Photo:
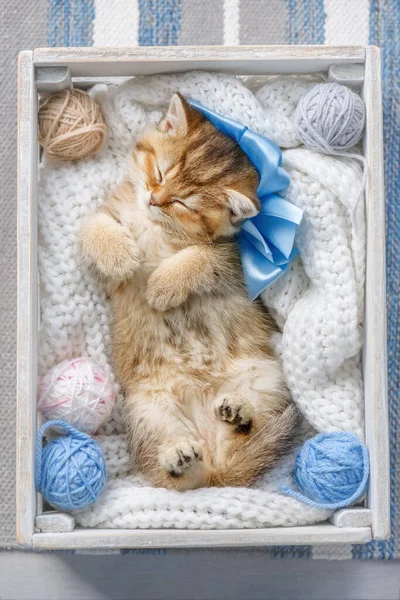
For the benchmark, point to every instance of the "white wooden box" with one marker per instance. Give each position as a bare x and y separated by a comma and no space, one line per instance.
86,65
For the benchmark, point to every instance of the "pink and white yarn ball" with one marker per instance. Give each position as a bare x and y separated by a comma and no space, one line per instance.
78,392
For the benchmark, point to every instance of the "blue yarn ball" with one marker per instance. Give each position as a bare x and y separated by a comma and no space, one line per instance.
331,470
71,470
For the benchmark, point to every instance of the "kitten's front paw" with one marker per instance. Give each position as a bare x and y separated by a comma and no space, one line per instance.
179,457
234,410
161,293
109,247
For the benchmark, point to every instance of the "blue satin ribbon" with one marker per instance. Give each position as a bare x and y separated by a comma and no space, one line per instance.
266,240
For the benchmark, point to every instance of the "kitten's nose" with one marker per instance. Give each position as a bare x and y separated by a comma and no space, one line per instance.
154,201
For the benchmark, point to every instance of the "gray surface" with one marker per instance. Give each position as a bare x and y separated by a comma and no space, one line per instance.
201,23
269,23
22,27
196,575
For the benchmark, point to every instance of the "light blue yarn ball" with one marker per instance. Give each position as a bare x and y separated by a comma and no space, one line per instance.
331,470
71,470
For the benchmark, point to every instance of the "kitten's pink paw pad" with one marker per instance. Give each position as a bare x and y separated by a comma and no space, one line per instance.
234,410
180,457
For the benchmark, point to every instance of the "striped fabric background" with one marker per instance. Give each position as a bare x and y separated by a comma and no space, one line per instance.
231,22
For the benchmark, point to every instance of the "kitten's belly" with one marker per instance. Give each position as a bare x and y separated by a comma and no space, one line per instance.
195,343
180,341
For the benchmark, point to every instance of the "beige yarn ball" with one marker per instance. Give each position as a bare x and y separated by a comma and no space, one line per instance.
71,126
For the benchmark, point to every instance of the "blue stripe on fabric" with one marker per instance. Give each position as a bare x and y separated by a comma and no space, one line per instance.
70,22
385,32
306,21
159,22
58,22
82,22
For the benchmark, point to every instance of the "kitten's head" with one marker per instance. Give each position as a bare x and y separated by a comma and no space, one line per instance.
192,179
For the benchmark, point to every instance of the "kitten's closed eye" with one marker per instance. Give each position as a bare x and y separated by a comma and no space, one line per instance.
159,176
184,204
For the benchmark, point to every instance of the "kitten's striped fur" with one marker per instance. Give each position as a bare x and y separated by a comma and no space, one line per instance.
205,398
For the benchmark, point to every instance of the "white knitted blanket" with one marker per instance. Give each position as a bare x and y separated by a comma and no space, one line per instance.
318,303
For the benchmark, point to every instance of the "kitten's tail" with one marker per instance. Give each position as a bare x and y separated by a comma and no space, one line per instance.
246,460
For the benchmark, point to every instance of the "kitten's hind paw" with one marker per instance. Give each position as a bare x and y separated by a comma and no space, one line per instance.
181,456
234,410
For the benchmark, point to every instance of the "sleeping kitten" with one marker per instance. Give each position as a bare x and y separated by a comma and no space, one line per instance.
205,399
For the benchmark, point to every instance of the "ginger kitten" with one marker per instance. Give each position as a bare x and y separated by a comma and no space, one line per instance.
205,399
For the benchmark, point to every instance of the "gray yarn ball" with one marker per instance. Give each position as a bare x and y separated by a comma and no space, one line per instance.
330,118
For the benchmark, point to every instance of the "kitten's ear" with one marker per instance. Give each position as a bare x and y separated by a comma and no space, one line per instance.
242,207
176,120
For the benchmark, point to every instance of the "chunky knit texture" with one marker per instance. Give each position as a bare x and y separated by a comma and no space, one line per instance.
318,303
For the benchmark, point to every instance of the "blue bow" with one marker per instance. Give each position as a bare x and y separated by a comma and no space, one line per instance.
266,240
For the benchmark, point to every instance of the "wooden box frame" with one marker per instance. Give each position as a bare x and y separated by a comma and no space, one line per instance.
85,65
